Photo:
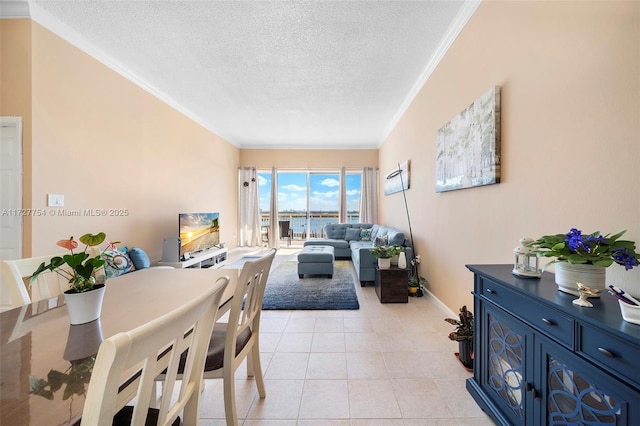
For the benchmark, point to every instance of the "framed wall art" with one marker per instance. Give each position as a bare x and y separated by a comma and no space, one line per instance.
468,146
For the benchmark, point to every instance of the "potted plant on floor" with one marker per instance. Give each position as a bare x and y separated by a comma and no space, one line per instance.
84,297
415,282
463,334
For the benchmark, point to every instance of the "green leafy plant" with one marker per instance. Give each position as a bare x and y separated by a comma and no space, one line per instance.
464,326
417,281
80,266
385,252
576,248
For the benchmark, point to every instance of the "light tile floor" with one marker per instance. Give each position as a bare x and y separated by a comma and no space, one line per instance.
383,364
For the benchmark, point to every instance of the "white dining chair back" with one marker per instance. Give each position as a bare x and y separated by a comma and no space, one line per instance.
239,338
15,282
148,351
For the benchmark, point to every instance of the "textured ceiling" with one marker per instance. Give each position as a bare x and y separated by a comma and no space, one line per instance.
270,74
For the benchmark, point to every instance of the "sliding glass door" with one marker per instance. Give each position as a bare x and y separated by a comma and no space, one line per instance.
310,199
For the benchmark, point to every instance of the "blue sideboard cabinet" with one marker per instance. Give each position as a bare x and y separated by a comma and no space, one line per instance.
540,360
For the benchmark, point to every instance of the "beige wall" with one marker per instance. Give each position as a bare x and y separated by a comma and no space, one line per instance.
104,143
570,137
15,97
307,159
570,146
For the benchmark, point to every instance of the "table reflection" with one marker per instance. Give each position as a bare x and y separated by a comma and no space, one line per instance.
47,363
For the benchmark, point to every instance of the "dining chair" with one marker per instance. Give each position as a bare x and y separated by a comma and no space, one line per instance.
15,282
285,231
239,338
128,364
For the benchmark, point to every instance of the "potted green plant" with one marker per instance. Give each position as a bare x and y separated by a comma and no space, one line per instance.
84,297
384,255
594,249
463,334
415,282
584,258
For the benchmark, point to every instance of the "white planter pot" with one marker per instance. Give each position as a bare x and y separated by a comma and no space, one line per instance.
84,307
384,263
568,275
402,260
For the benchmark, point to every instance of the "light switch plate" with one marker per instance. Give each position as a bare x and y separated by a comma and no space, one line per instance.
55,200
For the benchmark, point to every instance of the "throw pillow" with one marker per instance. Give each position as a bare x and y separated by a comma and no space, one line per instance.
365,234
117,263
353,234
381,241
139,258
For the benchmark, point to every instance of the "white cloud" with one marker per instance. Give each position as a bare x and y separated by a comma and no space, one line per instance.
294,187
330,182
353,192
327,194
261,181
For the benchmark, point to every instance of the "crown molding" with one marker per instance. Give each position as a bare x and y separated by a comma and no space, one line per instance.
14,9
454,30
63,31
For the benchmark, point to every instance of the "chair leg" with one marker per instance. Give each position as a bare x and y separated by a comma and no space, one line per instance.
230,397
254,359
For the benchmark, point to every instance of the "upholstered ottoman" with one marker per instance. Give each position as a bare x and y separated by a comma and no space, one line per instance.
316,260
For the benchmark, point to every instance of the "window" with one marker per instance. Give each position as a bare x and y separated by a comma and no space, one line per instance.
310,199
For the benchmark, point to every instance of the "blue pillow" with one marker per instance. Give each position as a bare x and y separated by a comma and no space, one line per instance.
365,234
117,262
139,258
353,234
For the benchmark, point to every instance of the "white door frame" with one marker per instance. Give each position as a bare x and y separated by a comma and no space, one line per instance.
12,217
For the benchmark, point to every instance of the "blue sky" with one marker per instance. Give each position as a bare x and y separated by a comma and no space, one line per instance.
324,187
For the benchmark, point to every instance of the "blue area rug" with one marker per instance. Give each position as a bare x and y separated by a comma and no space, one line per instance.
285,291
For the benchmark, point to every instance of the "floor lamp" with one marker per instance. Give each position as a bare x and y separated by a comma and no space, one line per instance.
414,261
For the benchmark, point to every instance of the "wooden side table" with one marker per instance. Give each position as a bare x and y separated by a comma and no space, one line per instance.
392,285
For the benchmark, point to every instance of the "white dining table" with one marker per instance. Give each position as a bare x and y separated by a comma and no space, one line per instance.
38,346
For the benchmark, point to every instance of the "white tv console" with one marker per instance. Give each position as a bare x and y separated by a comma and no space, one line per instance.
211,258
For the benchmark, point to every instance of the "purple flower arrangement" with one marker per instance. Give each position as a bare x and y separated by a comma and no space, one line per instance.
594,249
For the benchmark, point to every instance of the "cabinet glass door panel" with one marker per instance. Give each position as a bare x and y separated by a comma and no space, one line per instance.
505,364
574,400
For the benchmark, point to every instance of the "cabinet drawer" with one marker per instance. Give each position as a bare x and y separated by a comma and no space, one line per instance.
549,321
611,353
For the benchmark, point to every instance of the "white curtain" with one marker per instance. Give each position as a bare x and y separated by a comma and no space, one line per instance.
369,196
249,208
342,210
274,228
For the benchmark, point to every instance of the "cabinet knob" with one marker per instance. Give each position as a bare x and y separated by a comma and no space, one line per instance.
606,353
490,291
548,321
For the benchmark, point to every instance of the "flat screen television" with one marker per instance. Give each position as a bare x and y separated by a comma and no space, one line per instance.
198,232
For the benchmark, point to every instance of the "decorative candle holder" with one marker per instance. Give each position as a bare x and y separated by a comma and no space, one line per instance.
526,263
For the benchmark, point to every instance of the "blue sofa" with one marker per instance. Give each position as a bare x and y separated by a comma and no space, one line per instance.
350,241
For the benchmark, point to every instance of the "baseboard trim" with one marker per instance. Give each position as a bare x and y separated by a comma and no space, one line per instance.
438,302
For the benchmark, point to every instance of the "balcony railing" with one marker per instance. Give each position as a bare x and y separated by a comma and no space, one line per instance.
314,228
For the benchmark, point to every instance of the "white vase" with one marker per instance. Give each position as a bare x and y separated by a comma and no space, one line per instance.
384,263
402,260
568,276
84,307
